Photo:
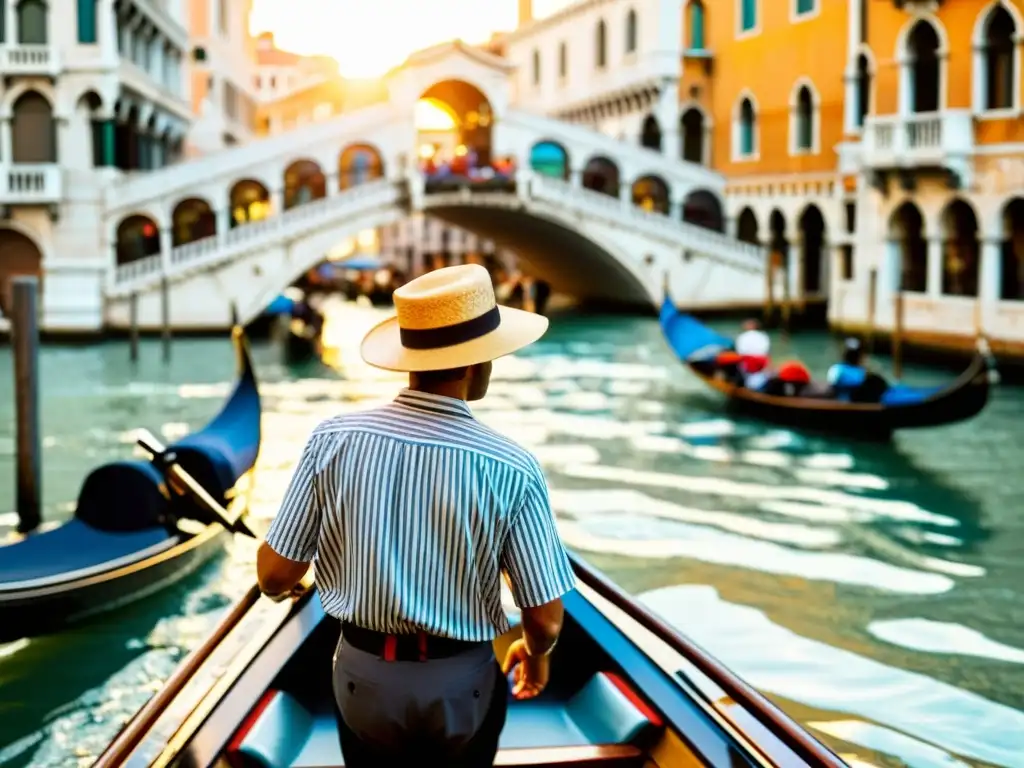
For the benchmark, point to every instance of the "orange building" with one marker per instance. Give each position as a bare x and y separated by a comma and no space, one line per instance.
222,63
877,146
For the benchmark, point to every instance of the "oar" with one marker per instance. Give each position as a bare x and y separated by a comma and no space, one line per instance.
166,462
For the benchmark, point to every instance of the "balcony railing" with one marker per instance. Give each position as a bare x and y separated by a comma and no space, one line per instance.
935,139
30,184
18,59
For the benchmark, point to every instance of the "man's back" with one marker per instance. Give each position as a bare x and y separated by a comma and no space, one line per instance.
422,507
412,511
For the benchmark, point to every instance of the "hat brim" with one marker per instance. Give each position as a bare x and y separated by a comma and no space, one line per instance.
382,346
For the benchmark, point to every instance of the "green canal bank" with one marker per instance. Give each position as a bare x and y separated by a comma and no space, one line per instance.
876,592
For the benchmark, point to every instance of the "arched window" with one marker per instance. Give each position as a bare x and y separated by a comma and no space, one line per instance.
692,124
863,90
1000,55
87,21
563,61
803,120
601,45
536,67
33,130
925,79
746,128
695,19
32,23
631,31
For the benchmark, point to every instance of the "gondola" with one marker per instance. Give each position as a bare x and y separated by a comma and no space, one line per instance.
299,326
626,690
131,533
900,407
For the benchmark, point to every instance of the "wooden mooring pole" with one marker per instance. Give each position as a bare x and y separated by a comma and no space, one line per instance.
25,338
165,317
133,326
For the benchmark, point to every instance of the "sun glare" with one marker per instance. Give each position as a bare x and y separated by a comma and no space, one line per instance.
432,116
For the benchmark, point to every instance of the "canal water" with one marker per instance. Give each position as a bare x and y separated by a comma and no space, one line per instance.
875,592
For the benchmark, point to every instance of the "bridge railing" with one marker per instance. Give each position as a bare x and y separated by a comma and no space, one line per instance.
289,224
714,245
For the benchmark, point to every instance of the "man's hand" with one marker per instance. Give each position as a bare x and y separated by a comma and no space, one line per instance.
531,672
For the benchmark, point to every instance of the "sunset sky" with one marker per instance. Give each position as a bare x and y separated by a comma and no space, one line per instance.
368,37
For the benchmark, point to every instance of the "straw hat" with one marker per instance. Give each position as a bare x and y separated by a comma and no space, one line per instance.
449,318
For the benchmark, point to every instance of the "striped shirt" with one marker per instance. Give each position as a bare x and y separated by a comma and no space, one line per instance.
412,511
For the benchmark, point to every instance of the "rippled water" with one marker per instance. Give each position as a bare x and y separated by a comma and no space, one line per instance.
874,591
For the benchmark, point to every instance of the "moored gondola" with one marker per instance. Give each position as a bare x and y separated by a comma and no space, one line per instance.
131,533
626,690
899,407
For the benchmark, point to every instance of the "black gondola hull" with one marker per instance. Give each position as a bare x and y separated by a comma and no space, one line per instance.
41,610
963,400
899,408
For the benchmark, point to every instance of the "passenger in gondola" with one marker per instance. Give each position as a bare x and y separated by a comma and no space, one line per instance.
792,379
851,381
753,346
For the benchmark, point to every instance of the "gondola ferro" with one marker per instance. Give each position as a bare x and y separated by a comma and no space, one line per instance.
900,407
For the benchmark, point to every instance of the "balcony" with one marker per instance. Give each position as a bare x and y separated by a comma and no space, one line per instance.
30,184
17,59
935,140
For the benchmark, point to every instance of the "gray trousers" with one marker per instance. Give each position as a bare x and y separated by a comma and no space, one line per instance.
450,709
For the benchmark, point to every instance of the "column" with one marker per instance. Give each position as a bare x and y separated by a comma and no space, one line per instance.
223,214
934,284
675,208
667,112
10,22
165,246
106,32
906,81
990,278
6,147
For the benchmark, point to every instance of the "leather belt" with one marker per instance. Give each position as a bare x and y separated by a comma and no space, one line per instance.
413,647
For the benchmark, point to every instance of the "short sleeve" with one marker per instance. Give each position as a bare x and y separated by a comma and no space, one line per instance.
537,565
293,533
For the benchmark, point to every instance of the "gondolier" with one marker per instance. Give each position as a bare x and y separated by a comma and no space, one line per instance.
412,512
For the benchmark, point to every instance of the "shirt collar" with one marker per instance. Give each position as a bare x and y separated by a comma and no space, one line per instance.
426,401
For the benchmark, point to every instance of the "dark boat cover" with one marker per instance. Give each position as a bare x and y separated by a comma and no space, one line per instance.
71,547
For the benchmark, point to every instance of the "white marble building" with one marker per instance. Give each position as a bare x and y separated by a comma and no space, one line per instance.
91,93
613,65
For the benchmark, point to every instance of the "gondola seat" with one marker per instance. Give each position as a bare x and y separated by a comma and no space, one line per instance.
74,547
599,723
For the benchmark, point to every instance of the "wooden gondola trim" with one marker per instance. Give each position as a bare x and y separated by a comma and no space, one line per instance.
813,752
128,739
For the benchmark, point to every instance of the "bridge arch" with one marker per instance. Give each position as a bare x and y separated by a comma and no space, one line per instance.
602,175
585,258
747,227
304,181
137,237
550,158
192,219
651,193
249,200
704,209
358,164
473,115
